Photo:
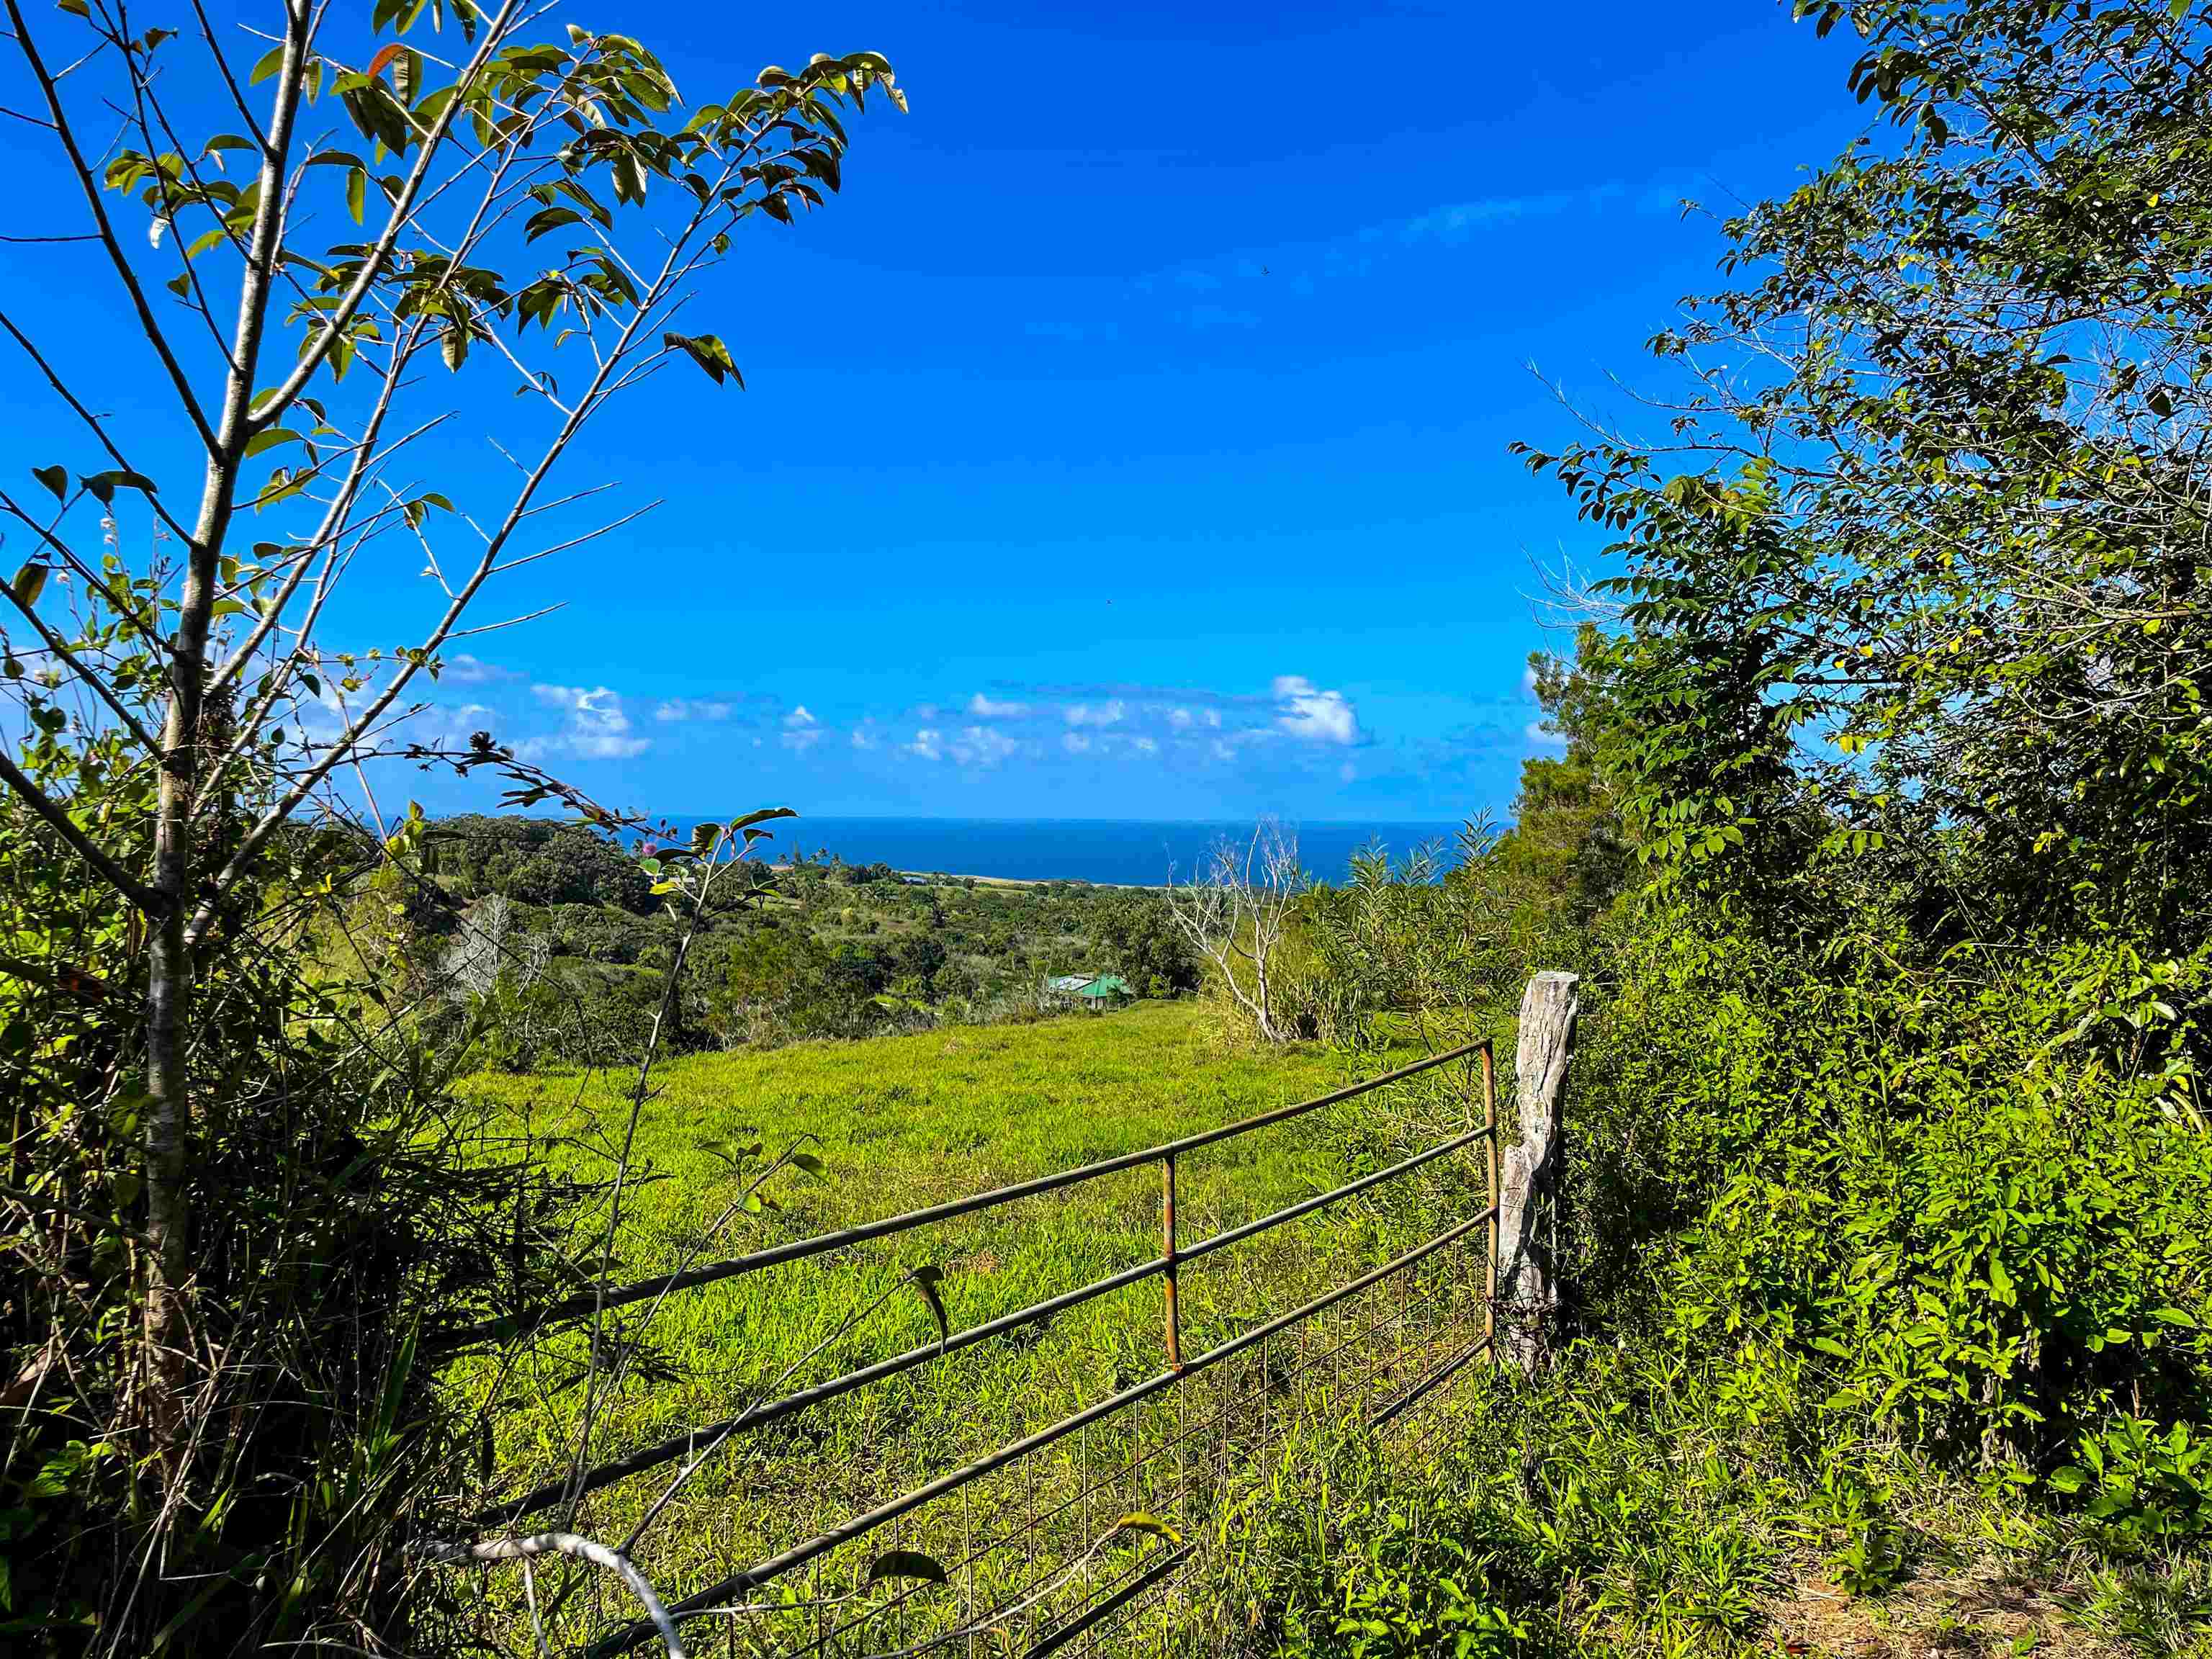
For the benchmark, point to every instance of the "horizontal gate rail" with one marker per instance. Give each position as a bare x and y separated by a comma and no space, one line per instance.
1435,1380
761,1572
1049,1604
1167,1567
584,1303
691,1440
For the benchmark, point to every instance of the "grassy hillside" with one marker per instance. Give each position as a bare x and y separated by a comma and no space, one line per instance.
903,1122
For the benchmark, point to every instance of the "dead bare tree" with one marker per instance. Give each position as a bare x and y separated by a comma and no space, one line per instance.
1235,912
472,965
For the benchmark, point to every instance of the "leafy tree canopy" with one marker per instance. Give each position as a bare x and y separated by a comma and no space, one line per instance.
1918,575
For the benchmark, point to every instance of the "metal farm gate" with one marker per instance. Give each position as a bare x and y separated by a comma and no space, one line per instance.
1071,1536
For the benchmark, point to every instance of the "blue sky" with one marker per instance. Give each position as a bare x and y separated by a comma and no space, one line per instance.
1130,438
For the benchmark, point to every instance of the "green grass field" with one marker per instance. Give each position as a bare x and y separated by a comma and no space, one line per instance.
901,1122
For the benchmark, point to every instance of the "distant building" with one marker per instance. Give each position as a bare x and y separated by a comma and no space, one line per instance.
1093,991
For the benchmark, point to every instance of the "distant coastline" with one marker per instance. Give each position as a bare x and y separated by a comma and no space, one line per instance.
1104,852
922,877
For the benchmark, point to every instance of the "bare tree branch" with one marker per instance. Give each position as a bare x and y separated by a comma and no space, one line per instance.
97,208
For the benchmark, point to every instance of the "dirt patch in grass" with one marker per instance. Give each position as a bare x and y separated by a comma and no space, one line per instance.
1981,1612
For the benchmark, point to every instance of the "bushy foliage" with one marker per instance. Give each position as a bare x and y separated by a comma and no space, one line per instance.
1954,1205
1879,838
1139,940
1898,1043
348,1204
1925,572
1325,1554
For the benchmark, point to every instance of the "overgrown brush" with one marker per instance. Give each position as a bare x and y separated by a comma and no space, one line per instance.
1648,1500
1878,1278
237,1192
349,1204
1957,1208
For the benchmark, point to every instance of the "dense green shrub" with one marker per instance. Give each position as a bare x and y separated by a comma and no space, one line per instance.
1969,1219
575,866
1137,938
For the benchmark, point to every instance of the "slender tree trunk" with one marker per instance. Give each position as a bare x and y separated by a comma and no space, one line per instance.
168,1112
170,968
170,983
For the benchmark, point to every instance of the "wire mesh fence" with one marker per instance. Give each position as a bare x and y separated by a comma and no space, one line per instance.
865,1516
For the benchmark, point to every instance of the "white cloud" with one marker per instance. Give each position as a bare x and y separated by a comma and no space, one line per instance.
801,731
1298,270
442,723
686,708
1453,223
465,670
1317,716
983,745
597,729
1008,726
1540,736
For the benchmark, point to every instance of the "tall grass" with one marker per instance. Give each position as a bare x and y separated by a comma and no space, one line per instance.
902,1122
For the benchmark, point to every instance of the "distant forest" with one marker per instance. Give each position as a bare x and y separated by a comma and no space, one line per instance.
551,941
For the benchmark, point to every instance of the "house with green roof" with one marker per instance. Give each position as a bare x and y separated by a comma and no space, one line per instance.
1092,991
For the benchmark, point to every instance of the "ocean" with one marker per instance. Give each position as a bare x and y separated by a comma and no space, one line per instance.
1120,852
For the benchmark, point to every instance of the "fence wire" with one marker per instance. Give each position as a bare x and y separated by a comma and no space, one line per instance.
1077,1537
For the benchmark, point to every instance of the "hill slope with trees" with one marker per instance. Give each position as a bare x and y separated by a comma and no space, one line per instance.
550,943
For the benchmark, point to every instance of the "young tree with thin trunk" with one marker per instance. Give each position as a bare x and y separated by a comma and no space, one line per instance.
326,244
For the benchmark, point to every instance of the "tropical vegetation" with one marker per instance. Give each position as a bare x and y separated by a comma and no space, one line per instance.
1877,830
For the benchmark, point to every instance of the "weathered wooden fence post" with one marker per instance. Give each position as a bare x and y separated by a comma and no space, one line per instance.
1528,1287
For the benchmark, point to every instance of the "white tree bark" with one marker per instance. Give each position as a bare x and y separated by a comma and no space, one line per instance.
585,1549
1527,1284
1235,912
472,965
